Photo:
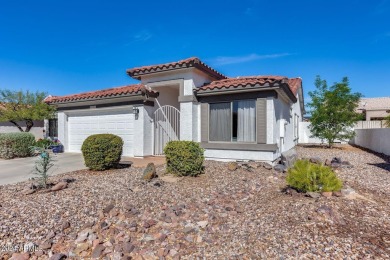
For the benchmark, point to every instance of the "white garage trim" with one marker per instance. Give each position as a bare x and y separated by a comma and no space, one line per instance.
83,123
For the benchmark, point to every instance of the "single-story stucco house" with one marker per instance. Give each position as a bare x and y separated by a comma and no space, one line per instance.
374,108
242,118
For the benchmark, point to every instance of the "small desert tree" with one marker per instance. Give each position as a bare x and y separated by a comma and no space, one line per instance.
20,106
333,111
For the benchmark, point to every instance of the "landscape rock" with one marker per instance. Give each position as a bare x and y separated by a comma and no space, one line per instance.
232,166
330,214
336,160
20,256
316,160
326,194
65,225
46,245
203,224
83,235
28,191
349,193
289,158
108,208
81,247
51,235
335,165
229,216
58,256
253,164
267,166
328,162
162,252
149,172
280,168
59,186
290,191
314,195
97,251
128,247
337,194
170,178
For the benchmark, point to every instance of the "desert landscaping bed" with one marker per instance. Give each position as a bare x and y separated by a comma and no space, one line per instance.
222,214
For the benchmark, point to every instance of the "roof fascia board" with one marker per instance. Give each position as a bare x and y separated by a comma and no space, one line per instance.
98,101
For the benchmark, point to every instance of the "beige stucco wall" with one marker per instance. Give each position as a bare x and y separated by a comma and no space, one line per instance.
377,140
36,130
375,114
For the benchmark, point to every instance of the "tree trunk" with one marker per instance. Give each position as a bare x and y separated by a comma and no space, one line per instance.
18,126
29,125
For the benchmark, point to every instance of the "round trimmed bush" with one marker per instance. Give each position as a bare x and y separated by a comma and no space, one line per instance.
102,151
184,158
305,176
16,145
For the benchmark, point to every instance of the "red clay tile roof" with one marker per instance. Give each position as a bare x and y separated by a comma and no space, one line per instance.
111,92
195,62
293,83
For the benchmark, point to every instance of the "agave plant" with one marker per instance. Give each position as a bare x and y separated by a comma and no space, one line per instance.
42,165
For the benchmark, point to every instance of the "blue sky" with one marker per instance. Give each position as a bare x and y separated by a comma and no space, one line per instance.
65,47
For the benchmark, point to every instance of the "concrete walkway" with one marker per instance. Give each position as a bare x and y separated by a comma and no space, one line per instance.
20,169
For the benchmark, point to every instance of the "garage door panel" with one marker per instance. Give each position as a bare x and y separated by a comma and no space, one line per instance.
82,125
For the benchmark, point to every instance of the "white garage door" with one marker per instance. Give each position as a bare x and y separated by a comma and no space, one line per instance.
118,122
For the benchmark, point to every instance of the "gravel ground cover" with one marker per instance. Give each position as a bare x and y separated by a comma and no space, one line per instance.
220,215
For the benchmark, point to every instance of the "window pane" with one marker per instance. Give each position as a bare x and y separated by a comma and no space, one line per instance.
246,120
220,122
235,118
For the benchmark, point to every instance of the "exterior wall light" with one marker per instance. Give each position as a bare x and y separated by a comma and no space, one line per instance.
136,112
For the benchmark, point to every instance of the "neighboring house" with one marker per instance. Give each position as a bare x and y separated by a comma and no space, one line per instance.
374,108
243,118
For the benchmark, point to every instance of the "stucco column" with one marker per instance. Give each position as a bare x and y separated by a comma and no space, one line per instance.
143,132
186,121
63,130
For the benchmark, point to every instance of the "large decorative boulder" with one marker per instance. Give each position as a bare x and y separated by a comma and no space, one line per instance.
289,157
149,172
59,186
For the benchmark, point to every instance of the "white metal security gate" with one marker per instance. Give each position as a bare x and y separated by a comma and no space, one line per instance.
166,127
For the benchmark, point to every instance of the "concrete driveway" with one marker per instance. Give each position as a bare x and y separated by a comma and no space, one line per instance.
20,169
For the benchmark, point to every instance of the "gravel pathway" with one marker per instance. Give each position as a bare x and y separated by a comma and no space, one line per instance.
219,215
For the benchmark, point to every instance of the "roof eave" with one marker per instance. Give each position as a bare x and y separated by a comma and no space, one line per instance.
232,90
136,96
139,72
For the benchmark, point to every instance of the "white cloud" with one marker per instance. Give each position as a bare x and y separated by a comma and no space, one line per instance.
225,60
142,36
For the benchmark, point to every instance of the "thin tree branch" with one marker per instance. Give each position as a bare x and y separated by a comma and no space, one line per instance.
17,125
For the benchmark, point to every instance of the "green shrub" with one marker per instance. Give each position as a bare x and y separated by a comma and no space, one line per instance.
16,145
306,176
102,151
184,158
44,143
